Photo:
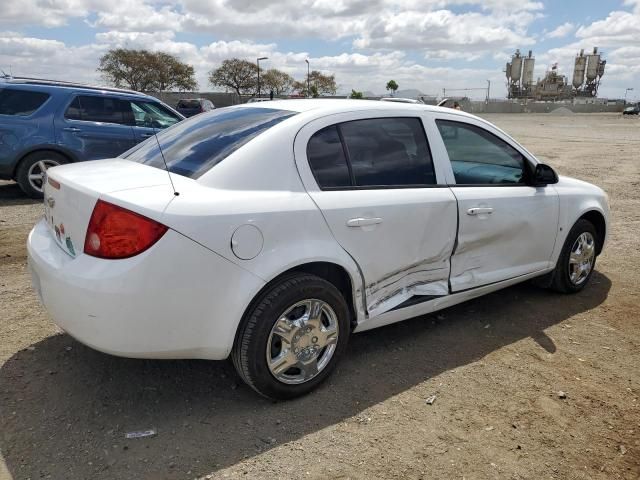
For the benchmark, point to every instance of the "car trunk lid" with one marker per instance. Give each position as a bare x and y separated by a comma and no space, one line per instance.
71,192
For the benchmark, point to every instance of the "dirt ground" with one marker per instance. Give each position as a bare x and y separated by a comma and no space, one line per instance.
496,366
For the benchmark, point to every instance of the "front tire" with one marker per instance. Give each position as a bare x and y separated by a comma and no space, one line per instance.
292,337
30,172
577,259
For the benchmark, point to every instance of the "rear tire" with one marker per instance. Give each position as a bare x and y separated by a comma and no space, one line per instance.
577,259
29,174
292,337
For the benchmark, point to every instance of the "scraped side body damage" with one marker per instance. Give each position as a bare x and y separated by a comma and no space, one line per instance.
415,280
406,252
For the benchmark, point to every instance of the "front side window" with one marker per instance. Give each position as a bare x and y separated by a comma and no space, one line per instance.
375,152
194,146
152,115
479,157
20,102
100,109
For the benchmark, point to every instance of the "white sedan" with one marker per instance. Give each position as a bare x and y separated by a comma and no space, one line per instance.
283,227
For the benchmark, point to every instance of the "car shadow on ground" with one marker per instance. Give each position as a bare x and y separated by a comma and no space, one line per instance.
10,194
66,408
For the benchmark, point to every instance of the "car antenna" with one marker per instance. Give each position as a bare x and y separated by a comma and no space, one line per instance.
164,160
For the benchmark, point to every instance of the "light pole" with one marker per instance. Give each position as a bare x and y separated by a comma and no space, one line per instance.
488,89
625,94
308,78
258,62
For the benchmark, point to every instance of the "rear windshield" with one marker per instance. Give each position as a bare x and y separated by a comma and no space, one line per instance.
188,104
192,147
20,102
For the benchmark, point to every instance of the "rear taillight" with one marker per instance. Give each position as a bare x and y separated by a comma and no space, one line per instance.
115,232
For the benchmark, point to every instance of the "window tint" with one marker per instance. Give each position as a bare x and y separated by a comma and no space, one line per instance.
388,152
479,157
20,102
97,109
327,160
152,115
194,146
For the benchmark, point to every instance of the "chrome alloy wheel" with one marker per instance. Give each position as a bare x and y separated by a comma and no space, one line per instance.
581,258
37,172
302,341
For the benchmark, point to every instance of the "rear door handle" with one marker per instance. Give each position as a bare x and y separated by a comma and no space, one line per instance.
146,135
363,222
479,210
71,129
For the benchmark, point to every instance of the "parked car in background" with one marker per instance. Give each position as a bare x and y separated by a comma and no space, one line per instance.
632,110
297,223
47,123
192,106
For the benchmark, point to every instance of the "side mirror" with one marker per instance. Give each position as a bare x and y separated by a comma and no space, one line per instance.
544,175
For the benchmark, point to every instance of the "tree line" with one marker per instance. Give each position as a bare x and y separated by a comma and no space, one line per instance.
148,71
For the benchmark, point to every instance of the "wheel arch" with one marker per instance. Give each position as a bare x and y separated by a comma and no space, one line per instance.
332,272
598,221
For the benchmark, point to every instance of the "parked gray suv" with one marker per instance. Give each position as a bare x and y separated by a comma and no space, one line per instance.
46,123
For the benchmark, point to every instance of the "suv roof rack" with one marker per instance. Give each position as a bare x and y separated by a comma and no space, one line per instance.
62,83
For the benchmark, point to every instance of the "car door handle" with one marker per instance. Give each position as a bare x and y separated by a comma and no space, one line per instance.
479,210
363,222
146,135
71,129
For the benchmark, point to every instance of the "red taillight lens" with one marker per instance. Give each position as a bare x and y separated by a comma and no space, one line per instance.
115,232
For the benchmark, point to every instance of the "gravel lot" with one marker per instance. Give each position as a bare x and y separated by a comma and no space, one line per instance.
496,366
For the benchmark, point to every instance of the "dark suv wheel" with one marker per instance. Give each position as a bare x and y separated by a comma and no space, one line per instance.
30,172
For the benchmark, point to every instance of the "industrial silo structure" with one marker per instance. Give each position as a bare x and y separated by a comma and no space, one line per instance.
514,74
593,63
579,70
527,71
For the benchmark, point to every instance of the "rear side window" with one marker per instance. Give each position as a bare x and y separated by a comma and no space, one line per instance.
327,159
376,152
480,158
98,109
20,102
194,146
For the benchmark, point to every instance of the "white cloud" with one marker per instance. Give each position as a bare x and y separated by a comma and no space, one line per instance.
561,31
374,40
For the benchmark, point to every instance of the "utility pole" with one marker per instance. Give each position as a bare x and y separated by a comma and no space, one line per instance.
308,78
258,62
625,94
488,89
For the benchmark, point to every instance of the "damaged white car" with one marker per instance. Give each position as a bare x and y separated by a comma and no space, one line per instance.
272,232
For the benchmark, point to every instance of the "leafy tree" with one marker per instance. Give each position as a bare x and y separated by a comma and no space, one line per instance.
277,80
173,74
320,85
239,75
392,86
324,84
146,71
355,94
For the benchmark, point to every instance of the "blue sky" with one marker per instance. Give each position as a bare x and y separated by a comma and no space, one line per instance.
422,44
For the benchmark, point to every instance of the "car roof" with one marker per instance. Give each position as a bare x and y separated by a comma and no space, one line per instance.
45,83
321,107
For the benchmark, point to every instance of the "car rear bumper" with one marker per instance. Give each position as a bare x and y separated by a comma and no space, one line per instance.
175,300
